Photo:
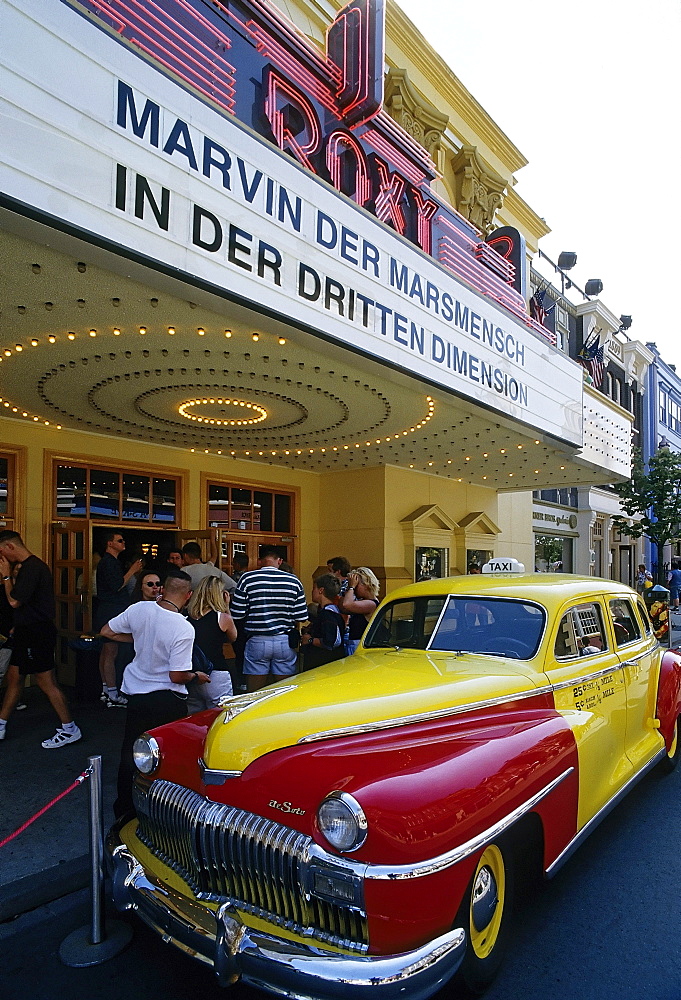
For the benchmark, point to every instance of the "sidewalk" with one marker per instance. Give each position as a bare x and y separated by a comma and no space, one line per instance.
51,857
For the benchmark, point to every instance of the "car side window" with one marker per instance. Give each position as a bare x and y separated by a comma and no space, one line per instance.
580,632
625,625
643,615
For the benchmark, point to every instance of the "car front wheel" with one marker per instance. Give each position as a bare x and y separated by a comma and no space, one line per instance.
484,915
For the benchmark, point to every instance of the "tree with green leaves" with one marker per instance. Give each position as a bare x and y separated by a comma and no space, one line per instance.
653,496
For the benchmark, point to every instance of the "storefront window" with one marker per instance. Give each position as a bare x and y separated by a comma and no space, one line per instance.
6,476
163,501
552,554
135,498
104,494
110,495
240,509
71,491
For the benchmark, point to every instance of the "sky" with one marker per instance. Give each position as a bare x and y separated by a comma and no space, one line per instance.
590,93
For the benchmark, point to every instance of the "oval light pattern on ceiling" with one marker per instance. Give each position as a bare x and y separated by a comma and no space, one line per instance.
248,413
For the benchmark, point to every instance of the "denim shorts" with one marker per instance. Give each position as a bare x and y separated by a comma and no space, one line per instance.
270,654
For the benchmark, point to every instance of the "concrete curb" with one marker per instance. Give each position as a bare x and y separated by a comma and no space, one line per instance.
35,890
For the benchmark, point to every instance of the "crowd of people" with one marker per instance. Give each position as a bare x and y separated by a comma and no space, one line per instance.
178,635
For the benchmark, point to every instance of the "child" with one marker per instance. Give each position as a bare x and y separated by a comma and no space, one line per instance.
322,640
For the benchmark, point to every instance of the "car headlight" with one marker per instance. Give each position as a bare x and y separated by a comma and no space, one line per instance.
342,821
146,754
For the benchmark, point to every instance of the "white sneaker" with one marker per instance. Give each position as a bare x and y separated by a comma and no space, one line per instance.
3,732
61,738
116,701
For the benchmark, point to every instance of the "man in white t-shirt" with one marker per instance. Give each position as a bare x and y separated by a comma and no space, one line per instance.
155,681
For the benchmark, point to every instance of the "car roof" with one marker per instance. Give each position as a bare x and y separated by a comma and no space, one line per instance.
549,589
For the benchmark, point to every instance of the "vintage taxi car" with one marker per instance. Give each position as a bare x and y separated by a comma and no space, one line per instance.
358,827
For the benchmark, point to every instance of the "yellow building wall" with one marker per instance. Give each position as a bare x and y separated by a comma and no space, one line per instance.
35,518
515,520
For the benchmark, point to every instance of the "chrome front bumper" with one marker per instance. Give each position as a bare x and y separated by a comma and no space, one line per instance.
292,969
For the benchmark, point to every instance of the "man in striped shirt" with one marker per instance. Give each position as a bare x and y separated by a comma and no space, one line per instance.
270,603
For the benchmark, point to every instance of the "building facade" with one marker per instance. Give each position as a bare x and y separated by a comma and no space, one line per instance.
662,429
266,273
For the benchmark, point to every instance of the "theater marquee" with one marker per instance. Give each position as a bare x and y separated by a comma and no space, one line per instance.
313,224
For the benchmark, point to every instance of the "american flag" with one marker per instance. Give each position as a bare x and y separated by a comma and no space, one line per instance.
538,311
591,356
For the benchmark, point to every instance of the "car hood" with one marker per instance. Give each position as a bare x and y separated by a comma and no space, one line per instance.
366,689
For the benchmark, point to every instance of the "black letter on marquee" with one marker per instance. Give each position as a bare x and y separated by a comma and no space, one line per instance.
303,271
199,215
142,192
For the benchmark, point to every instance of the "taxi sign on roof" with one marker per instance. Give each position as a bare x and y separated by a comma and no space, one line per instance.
503,564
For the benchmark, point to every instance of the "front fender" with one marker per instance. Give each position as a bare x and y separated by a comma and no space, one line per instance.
668,706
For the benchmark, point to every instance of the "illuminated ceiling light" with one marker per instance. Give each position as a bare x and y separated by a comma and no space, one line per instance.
8,354
562,466
485,454
255,337
71,336
52,339
282,340
116,332
228,334
520,447
36,418
536,472
93,333
171,331
34,343
18,348
201,332
503,451
143,330
484,477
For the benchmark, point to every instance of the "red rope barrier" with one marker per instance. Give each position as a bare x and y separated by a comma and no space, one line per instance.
78,781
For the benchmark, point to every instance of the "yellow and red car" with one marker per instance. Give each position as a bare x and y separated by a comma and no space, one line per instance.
358,827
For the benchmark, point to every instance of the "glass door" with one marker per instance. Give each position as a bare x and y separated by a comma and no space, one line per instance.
72,573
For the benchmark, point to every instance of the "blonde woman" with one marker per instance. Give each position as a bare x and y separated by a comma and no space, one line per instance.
359,601
208,612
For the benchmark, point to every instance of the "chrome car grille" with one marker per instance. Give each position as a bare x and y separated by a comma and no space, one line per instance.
225,853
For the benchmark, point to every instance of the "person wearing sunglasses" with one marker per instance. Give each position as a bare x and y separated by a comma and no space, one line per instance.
150,586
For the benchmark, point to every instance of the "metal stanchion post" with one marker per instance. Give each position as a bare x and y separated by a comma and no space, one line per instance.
96,850
95,944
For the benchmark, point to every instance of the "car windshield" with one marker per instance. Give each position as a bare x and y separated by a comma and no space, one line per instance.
491,625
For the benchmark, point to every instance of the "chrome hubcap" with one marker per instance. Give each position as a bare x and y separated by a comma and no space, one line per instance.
485,898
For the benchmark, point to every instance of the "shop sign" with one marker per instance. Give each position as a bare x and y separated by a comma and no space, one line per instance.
108,145
556,519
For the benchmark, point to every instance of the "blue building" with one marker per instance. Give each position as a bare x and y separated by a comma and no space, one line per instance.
661,428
